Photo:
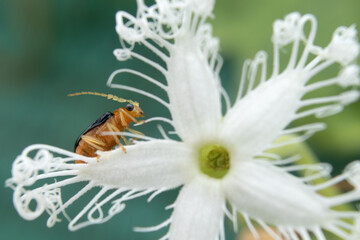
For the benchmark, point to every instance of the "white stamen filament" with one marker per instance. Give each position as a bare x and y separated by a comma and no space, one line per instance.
141,92
251,226
136,73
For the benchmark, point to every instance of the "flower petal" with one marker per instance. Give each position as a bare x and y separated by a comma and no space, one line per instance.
154,164
192,61
194,91
257,120
198,212
270,194
264,108
113,178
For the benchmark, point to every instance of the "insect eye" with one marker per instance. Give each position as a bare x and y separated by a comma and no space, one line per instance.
129,107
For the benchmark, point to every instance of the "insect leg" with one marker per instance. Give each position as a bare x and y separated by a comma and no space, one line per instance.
122,118
113,128
135,132
125,140
94,142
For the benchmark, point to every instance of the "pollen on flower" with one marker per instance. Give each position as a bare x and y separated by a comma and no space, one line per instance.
214,160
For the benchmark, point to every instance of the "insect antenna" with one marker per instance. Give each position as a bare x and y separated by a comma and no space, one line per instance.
108,96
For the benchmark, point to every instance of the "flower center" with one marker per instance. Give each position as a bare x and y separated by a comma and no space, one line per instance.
214,160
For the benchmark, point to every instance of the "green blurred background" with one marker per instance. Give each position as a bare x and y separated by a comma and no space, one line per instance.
51,48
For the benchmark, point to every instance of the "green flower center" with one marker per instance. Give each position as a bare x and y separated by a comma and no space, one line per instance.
214,160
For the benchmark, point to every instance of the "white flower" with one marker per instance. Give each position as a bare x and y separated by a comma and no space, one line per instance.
222,160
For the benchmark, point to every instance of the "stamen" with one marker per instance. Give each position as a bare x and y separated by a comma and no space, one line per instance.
214,161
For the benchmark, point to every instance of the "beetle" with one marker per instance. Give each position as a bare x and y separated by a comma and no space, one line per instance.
93,138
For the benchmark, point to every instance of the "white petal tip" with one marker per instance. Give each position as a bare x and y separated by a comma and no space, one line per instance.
287,30
122,54
349,76
344,47
353,172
